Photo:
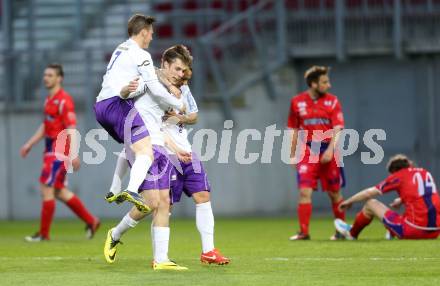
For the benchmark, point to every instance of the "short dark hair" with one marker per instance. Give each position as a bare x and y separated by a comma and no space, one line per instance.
138,22
398,162
314,73
177,52
57,67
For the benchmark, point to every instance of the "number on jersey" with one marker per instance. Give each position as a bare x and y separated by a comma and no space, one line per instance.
424,186
113,60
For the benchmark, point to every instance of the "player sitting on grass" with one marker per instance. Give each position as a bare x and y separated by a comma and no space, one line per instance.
417,192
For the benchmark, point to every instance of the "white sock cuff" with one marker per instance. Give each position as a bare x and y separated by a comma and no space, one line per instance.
161,233
204,206
131,222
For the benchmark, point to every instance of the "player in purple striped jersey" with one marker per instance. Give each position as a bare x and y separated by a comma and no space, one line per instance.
190,177
155,189
115,111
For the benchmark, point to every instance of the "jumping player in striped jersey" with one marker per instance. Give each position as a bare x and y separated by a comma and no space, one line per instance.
416,191
116,112
155,189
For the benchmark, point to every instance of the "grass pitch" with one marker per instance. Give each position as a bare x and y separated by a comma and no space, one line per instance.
259,249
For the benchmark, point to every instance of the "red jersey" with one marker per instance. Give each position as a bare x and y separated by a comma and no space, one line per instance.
418,193
324,113
59,114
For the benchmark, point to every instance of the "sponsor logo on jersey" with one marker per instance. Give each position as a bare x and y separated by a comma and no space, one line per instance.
316,121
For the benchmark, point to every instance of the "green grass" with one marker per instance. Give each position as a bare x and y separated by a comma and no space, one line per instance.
259,249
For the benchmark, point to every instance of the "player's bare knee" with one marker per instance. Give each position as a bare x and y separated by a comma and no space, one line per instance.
154,204
369,206
370,203
59,196
63,194
47,192
143,147
305,195
335,197
201,197
153,201
164,202
136,214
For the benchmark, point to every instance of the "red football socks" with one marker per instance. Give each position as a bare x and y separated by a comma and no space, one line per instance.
360,222
304,214
47,212
80,210
336,212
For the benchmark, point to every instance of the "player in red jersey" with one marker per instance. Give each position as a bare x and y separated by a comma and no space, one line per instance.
417,192
317,116
59,115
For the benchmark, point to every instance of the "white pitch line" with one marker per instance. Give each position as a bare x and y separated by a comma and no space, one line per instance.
47,258
351,258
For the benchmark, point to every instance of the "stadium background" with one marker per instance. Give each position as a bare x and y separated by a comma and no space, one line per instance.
249,60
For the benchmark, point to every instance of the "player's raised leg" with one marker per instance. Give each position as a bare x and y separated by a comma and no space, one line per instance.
363,218
143,151
129,221
119,173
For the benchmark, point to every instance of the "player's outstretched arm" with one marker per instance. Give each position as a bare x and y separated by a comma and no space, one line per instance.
396,203
71,132
294,142
131,87
38,135
158,91
181,154
187,119
359,197
330,152
152,83
190,119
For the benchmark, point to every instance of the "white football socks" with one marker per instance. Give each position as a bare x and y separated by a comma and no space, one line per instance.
205,225
161,238
138,172
152,236
125,224
120,171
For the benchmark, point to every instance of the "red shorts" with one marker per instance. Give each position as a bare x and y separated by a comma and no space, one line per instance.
330,175
396,224
53,172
